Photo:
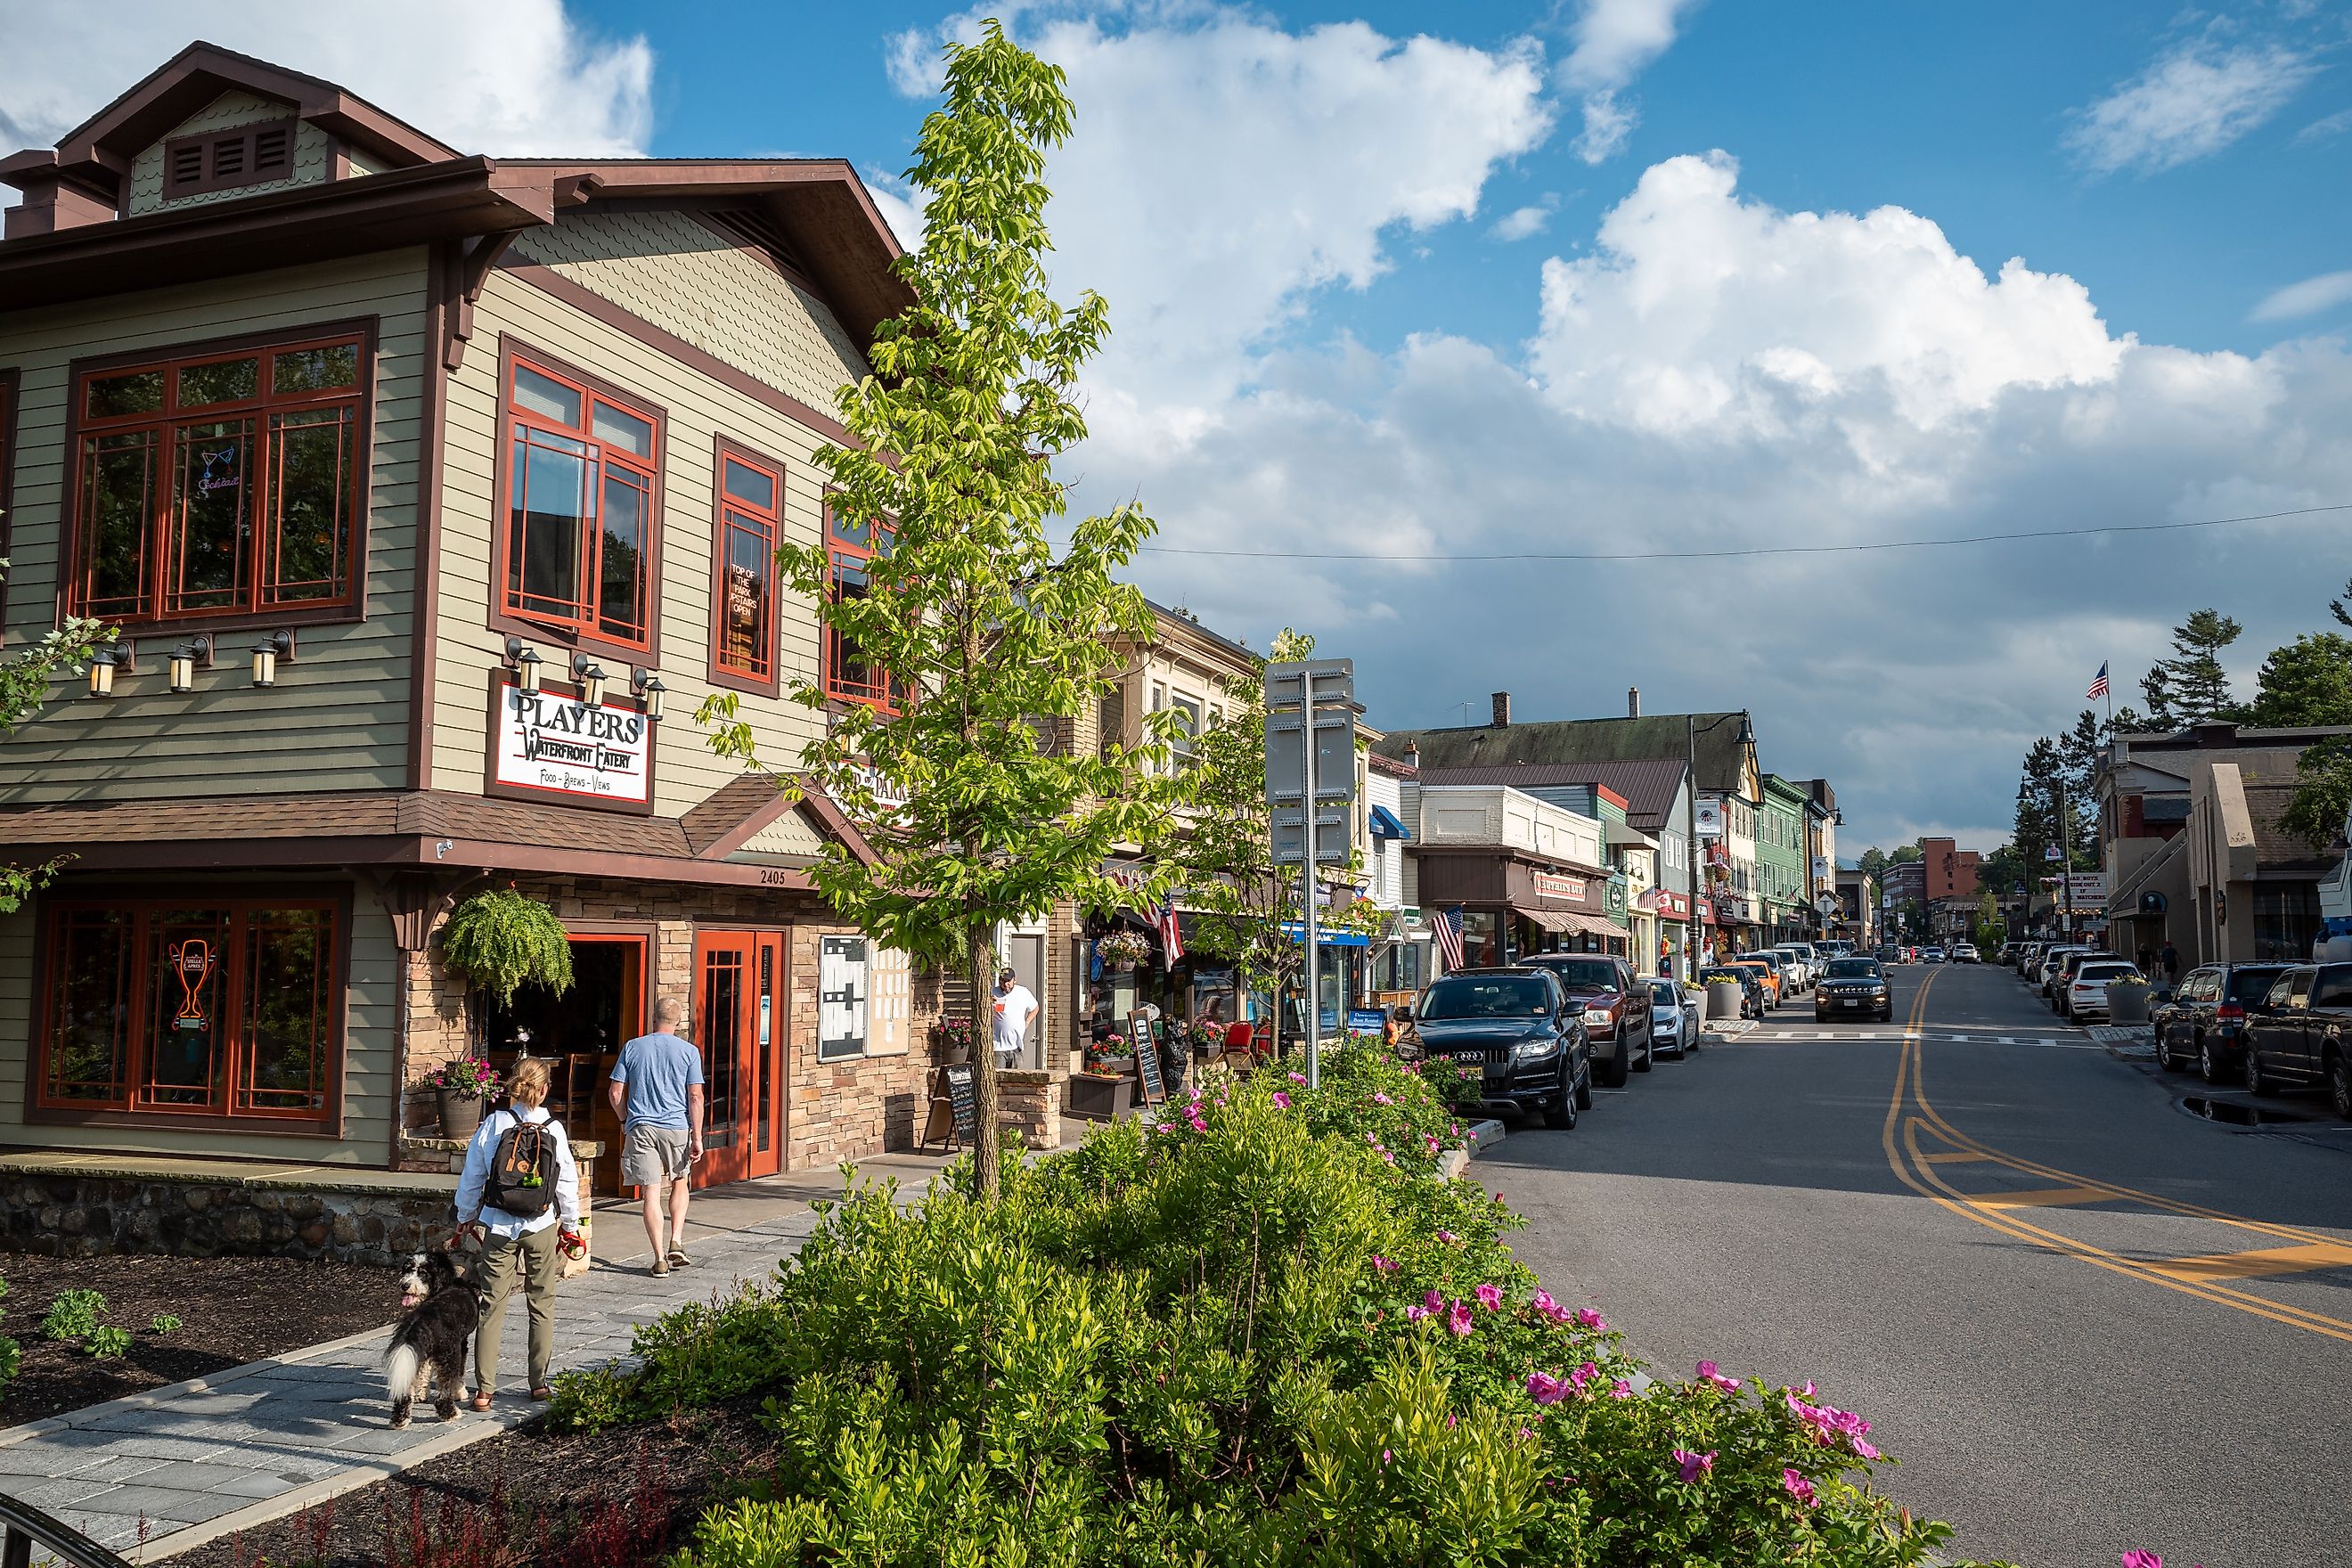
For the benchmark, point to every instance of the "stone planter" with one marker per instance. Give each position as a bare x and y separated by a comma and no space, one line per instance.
1724,999
461,1114
1099,1098
2127,1003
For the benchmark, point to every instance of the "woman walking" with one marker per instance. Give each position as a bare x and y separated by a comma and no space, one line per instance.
520,1192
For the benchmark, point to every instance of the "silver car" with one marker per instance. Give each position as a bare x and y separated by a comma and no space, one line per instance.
1674,1017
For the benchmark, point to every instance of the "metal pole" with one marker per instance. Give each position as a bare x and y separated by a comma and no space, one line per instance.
2065,863
1690,852
1307,876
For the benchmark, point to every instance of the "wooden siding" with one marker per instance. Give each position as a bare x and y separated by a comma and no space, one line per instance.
314,155
371,1034
338,717
700,409
788,835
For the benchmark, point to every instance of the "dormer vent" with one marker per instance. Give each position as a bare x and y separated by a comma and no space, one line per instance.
223,160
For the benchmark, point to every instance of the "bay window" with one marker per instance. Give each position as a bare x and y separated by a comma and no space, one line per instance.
749,522
580,506
219,484
201,1007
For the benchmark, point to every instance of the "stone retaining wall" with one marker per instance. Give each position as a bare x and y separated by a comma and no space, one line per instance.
92,1216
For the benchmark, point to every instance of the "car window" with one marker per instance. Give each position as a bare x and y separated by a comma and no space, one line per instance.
1582,971
2298,987
1486,996
2246,985
2335,988
1854,969
2110,969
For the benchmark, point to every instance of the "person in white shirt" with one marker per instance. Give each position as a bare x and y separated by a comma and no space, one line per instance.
515,1247
1016,1005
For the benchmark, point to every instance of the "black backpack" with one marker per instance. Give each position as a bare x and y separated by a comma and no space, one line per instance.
522,1170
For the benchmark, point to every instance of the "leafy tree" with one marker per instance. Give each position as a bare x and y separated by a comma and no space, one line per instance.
1872,862
25,678
975,816
1902,853
2335,606
2309,682
2192,687
2323,795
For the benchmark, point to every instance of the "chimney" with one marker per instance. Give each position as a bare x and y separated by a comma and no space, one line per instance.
1502,710
1633,702
1413,755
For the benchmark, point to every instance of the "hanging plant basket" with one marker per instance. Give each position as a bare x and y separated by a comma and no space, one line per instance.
498,941
1121,951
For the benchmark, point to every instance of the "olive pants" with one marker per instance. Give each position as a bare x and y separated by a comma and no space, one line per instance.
532,1258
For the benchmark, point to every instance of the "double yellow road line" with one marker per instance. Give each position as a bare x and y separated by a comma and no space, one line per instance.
1912,1116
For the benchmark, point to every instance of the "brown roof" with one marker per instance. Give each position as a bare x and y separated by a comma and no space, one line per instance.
2278,852
1722,761
1647,786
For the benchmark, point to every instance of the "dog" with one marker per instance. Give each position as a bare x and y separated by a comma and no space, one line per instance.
439,1315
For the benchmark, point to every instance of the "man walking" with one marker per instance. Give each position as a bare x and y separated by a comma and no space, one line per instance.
1016,1005
2170,958
656,1092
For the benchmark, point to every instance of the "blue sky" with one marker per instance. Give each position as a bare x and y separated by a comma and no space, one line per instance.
1592,276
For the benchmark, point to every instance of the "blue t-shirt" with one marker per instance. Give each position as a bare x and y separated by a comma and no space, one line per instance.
658,1069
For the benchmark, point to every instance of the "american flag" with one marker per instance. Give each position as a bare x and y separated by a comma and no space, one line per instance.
1171,938
1447,930
2099,684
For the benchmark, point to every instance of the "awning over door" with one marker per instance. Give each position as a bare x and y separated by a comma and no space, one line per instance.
1568,924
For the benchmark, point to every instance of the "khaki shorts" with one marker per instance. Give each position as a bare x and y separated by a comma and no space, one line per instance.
653,1155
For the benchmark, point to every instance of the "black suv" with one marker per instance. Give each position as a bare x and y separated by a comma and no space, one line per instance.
2301,1033
2205,1021
1851,986
1615,1007
1524,1032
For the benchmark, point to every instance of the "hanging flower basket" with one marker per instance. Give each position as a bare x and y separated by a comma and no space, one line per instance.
1122,950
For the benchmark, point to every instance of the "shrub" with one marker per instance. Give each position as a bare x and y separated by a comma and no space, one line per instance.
108,1344
498,940
164,1323
73,1315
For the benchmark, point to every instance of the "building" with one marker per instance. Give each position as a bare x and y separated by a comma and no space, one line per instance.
1859,919
1528,876
1949,886
484,461
1903,896
1783,839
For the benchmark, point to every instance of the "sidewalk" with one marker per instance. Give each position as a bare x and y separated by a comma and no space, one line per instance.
185,1464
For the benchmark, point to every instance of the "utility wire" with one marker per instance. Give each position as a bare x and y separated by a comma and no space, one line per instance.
1756,550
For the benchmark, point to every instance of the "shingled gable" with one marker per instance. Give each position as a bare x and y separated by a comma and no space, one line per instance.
738,811
1723,763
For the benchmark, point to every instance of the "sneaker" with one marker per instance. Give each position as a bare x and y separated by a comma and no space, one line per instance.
660,1268
679,1259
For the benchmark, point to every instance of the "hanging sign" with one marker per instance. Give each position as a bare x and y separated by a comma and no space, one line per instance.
544,743
1709,818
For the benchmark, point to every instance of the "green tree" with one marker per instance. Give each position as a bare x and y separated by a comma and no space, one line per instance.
1872,862
2309,682
974,815
2323,795
1902,853
25,678
2192,687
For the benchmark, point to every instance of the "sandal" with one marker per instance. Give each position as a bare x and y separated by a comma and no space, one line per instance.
479,1402
679,1259
543,1394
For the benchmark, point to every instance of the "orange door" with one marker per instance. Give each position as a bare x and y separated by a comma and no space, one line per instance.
739,1023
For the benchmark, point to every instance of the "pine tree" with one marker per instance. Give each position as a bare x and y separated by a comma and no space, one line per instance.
2192,687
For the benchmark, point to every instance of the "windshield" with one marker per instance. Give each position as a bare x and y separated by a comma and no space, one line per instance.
1486,996
1591,973
1854,969
2249,984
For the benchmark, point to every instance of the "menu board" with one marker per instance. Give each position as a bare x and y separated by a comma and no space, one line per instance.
1146,1035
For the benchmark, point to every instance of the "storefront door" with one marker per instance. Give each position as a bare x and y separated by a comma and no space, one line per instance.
739,1019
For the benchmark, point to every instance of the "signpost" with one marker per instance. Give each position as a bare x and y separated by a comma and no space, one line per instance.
1310,794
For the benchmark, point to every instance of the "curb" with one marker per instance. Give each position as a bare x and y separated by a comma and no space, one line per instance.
1483,1135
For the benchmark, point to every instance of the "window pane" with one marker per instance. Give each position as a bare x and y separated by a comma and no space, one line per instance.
139,392
88,1044
288,970
223,381
722,1023
316,370
210,562
847,672
752,486
850,532
546,525
310,496
621,560
187,949
623,430
743,637
117,499
546,397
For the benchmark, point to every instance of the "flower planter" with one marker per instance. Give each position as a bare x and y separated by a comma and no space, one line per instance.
461,1113
1099,1098
2128,1004
1724,999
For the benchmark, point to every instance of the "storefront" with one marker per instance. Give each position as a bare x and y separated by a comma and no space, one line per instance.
1513,905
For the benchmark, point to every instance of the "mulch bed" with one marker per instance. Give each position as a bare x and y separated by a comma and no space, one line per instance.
231,1310
613,1500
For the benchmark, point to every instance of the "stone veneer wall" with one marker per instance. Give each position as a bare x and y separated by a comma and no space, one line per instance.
92,1214
1031,1102
836,1110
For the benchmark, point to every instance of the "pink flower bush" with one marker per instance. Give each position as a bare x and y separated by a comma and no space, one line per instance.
1550,1308
1707,1369
1797,1487
1582,1376
1489,1297
1830,1424
1459,1320
1379,1099
1621,1389
1299,1077
1694,1465
1546,1389
1586,1318
1281,1100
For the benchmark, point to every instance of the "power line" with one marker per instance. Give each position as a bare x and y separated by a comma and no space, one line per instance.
1756,550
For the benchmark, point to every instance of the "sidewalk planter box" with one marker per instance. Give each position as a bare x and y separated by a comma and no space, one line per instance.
2127,1003
1723,999
1100,1098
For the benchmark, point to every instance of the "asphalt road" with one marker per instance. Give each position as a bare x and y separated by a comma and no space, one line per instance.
2086,1320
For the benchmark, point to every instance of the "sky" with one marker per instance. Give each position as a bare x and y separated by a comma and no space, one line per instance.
1594,277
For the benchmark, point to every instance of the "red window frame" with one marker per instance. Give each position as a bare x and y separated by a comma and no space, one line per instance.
581,618
847,552
148,999
169,441
737,520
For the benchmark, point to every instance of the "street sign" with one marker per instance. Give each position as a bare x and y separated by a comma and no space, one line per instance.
1826,905
1334,807
1709,818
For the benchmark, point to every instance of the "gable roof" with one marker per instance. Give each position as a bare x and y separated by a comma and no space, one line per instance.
1722,762
1648,785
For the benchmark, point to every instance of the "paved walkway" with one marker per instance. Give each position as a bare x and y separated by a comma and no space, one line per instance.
159,1472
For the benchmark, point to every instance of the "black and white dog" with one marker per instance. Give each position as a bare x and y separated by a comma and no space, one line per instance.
439,1315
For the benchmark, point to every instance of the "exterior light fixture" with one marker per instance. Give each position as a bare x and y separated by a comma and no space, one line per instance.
591,676
649,689
187,659
266,654
102,673
525,661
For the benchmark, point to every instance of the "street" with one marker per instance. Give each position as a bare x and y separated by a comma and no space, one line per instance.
2084,1319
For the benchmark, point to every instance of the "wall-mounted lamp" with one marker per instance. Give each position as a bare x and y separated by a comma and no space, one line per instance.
591,677
187,658
266,654
649,689
524,661
102,666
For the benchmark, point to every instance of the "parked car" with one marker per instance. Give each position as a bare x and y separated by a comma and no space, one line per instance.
1616,1010
2087,991
1524,1031
1749,980
2301,1033
2028,955
1962,952
1782,969
1768,976
1674,1016
1854,986
1810,961
1890,955
2047,970
2009,951
1931,955
2062,973
2204,1022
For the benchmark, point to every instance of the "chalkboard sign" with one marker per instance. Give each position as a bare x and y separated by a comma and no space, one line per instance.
1147,1059
960,1098
954,1114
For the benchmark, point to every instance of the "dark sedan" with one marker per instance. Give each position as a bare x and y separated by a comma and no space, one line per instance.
2204,1024
1524,1032
1853,987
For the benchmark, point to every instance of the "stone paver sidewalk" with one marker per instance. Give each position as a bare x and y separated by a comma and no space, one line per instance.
159,1472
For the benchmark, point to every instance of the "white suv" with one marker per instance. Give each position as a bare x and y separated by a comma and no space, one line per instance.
2087,994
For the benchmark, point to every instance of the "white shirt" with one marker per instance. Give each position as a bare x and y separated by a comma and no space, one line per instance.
1014,1008
485,1149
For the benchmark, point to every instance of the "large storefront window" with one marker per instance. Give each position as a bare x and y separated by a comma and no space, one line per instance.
580,500
2286,921
198,1007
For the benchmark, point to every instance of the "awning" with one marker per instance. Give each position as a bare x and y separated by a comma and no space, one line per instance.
1620,837
1568,924
1386,826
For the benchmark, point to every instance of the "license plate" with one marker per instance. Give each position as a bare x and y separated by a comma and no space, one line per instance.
1851,1001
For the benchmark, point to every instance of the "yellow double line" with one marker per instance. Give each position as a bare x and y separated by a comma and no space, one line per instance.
1916,1169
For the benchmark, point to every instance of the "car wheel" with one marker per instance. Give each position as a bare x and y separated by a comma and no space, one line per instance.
2209,1061
2257,1081
1563,1118
1649,1056
1614,1071
1584,1085
2164,1062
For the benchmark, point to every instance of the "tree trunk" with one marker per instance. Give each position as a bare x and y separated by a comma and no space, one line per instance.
983,1059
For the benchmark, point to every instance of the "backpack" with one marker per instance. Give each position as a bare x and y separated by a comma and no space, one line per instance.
522,1170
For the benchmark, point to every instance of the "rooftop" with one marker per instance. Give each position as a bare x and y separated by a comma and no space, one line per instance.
1722,762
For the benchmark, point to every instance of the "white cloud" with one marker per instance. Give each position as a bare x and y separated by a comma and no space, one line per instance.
2189,104
2325,129
518,78
1615,41
1527,222
2307,298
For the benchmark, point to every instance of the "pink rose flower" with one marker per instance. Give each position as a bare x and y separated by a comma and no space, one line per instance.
1488,1297
1281,1100
1546,1389
1385,1264
1582,1376
1459,1320
1586,1318
1694,1465
1379,1099
1449,1238
1621,1389
1801,1489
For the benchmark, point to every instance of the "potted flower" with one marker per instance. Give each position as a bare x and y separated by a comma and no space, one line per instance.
953,1037
2127,1000
1121,951
1102,1092
462,1087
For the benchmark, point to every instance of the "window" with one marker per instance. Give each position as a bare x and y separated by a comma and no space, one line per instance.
841,997
1188,728
219,485
195,1007
849,675
749,513
580,504
223,160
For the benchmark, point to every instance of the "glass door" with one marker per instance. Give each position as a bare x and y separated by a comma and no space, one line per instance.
738,1024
